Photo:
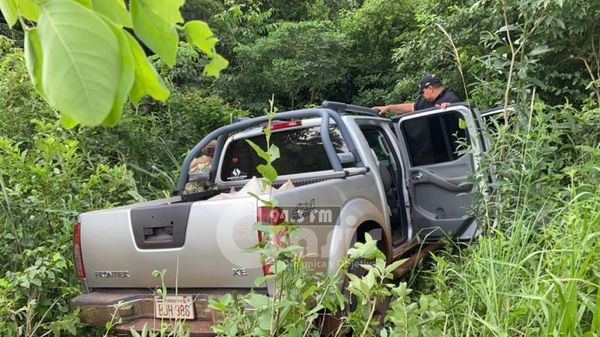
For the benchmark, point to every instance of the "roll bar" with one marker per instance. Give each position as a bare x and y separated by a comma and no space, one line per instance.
223,132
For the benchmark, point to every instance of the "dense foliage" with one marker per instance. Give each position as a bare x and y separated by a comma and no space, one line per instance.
535,270
49,174
532,274
377,50
85,46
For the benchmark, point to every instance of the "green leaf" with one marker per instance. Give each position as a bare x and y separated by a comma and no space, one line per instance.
596,318
217,305
33,58
268,131
4,283
147,81
394,265
134,333
264,321
9,10
68,122
536,81
168,9
158,34
280,266
260,152
36,282
85,3
126,81
29,9
81,68
264,183
462,124
267,171
540,50
114,10
268,203
263,279
216,64
258,301
274,152
199,34
227,299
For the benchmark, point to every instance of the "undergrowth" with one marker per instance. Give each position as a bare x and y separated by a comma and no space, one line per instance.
534,271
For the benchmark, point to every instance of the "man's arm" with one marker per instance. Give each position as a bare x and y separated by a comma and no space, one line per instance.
401,108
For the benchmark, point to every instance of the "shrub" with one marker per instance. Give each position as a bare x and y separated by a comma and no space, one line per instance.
532,274
43,187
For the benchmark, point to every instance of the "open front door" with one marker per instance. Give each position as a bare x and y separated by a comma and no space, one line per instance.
431,142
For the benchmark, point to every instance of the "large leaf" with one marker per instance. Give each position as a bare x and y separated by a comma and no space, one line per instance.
168,9
29,9
158,34
82,61
216,64
68,122
126,81
114,10
147,81
33,58
9,10
85,3
199,34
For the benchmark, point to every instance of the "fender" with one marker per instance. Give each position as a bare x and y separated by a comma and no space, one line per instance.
354,213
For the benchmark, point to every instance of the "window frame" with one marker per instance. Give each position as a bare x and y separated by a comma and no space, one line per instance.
449,140
334,132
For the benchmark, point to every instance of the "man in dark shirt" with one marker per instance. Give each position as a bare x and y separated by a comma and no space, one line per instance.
433,92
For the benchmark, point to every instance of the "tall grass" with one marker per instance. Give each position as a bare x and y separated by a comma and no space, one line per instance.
535,272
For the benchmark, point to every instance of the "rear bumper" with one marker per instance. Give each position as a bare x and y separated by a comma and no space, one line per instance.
132,308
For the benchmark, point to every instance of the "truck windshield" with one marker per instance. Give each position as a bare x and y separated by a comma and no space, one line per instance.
301,150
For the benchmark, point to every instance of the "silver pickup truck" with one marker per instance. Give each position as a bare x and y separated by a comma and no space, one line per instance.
343,171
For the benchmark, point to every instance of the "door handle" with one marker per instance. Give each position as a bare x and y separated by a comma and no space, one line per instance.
423,176
158,234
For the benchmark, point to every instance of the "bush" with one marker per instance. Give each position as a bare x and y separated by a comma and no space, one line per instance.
44,187
48,175
532,273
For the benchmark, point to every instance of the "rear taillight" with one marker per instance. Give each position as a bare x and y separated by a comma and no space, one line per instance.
273,217
77,250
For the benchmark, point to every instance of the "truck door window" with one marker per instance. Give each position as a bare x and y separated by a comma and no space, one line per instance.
434,139
301,150
377,143
388,166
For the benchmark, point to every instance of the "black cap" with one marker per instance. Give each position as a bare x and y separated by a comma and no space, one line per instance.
428,80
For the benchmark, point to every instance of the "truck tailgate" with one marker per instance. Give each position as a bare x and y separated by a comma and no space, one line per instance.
122,247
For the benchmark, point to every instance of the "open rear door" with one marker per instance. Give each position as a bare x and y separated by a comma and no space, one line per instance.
432,142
